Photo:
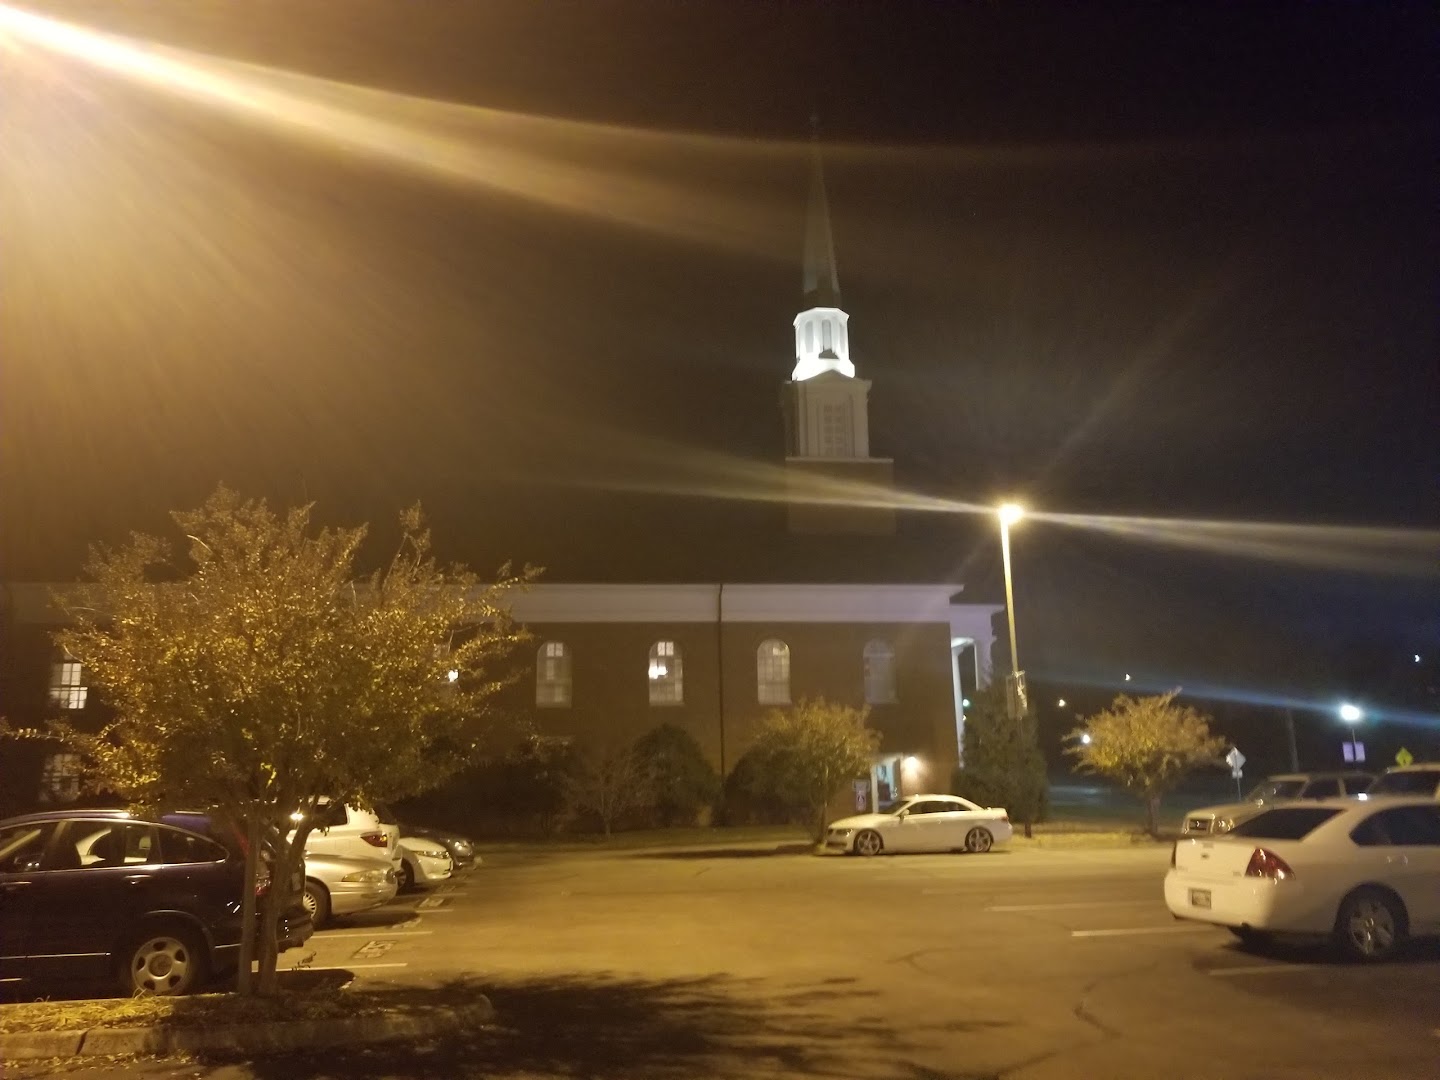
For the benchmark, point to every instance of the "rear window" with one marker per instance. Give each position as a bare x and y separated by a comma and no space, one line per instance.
1285,823
182,847
1420,782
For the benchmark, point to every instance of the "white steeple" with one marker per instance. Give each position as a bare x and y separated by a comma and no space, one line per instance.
822,337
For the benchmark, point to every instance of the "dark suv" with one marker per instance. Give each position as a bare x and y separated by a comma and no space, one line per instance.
87,894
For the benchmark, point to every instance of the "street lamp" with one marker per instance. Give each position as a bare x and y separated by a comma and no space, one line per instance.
1010,513
1352,715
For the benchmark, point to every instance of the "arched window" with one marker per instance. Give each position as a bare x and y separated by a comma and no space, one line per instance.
827,338
809,337
879,673
667,675
552,675
772,672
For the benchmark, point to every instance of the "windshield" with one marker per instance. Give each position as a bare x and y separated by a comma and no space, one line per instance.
1420,782
1275,789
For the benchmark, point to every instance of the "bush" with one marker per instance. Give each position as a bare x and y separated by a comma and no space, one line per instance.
750,798
521,793
683,784
1003,763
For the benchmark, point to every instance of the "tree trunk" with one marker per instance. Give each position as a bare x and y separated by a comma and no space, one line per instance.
245,982
1152,814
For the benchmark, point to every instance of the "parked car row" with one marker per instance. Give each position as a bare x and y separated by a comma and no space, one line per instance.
1359,866
154,906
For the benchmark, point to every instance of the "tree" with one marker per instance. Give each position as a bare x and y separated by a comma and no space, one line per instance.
260,676
1003,765
685,784
805,755
609,781
1146,745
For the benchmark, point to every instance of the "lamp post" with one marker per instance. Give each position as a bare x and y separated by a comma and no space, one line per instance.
1009,513
1352,715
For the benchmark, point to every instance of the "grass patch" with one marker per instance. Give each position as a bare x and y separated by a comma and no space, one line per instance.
642,839
325,1001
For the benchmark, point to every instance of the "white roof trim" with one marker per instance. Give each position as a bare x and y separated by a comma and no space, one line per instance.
744,604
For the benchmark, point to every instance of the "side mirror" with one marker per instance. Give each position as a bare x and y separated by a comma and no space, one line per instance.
903,814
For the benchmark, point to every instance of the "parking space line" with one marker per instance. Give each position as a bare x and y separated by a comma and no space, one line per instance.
1071,906
347,967
1266,969
323,936
1143,930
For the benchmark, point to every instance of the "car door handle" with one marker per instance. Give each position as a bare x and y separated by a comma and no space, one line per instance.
136,879
1398,860
14,886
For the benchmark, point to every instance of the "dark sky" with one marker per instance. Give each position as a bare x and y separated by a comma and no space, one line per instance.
1166,262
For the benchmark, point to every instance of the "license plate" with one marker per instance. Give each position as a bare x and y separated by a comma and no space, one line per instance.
1200,898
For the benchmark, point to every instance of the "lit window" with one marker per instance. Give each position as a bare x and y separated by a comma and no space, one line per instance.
879,673
552,675
60,778
835,430
809,337
827,336
772,672
667,675
67,684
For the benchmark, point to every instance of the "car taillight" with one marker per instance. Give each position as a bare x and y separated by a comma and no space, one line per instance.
262,881
1267,864
375,839
1004,815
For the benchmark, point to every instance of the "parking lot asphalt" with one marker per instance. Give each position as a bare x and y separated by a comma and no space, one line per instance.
1024,964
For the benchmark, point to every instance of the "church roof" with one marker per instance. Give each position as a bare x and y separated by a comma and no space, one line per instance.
821,277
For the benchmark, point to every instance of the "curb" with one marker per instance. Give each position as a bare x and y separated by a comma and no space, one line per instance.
241,1038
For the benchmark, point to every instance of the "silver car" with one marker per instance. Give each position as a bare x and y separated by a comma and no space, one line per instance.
341,885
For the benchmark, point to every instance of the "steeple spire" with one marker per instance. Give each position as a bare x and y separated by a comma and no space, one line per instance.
821,278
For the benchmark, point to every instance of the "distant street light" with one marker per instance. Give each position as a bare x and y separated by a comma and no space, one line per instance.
1085,737
1127,676
1009,514
1060,704
1352,715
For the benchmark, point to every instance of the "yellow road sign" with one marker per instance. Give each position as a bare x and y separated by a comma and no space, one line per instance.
1404,757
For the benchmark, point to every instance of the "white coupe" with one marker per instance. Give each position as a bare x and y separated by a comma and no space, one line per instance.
921,823
1364,872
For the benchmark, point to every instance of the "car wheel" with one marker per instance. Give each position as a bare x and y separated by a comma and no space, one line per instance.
979,840
316,901
406,876
869,842
163,960
1371,925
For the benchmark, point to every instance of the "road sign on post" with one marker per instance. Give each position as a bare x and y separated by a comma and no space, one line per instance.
1404,757
1236,761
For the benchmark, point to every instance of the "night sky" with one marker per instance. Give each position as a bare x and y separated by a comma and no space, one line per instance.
1170,263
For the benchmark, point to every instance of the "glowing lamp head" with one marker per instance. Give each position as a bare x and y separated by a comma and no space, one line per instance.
1010,513
1085,738
1351,714
1060,704
910,764
452,675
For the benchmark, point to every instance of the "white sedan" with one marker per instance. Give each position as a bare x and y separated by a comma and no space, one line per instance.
422,862
922,823
1363,872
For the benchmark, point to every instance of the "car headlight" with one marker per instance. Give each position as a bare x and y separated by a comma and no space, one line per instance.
369,877
463,847
1224,824
429,853
842,832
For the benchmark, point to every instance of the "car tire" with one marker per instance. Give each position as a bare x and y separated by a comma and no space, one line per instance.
163,959
316,901
406,876
978,841
868,842
1371,925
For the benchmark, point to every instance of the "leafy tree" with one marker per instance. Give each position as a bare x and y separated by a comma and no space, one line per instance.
1146,745
684,782
1003,765
805,755
260,675
609,781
